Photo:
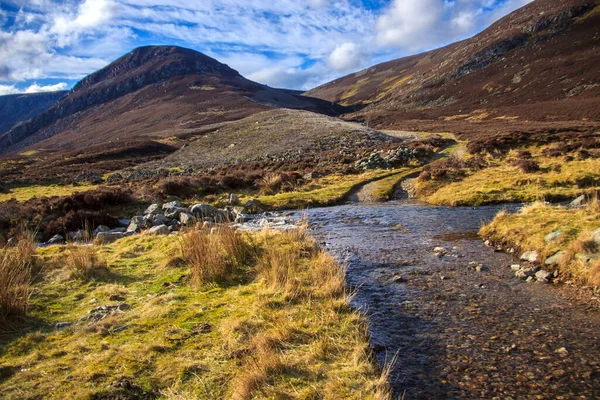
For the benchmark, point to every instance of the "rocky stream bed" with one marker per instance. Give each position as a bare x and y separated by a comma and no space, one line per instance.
457,323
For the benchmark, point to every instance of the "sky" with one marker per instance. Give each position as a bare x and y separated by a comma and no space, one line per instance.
50,45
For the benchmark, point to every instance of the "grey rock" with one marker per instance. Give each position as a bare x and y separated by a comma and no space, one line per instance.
160,219
62,325
578,202
120,329
124,222
515,267
525,273
186,219
108,237
555,259
543,276
596,236
204,211
56,239
173,213
118,230
159,230
101,228
135,227
172,204
241,218
152,209
531,256
552,237
77,236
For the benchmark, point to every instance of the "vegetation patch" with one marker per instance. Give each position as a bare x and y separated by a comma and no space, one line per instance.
274,322
549,230
24,193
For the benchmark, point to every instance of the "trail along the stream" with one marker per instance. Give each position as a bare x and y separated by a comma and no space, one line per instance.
449,330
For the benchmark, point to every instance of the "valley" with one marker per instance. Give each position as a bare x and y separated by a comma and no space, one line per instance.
428,227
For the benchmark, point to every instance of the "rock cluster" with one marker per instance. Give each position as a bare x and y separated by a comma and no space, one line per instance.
383,159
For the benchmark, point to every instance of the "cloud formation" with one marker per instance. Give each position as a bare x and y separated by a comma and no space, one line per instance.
285,43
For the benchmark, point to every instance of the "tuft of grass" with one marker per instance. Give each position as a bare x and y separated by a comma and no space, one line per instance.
16,264
270,184
84,262
215,254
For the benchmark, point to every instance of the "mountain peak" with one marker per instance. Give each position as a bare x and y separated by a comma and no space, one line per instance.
150,64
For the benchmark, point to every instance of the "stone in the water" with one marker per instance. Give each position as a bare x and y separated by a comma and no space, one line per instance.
552,237
515,267
555,259
525,273
159,230
530,256
543,276
440,251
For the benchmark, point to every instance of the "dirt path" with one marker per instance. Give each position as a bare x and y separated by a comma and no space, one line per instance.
453,329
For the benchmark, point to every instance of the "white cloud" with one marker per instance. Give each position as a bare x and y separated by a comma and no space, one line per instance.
347,57
34,88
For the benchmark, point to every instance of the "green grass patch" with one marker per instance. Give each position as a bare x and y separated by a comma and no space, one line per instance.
384,188
24,193
258,336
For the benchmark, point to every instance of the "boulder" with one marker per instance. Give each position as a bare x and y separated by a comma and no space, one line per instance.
555,259
124,222
204,211
186,219
109,237
152,209
578,202
56,239
525,273
101,228
159,230
174,212
543,276
118,230
174,225
135,227
172,204
160,219
552,237
531,256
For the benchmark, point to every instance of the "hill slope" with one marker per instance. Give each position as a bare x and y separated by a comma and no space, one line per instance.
16,108
152,92
539,63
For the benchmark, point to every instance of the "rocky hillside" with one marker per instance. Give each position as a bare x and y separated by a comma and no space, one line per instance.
16,108
538,63
152,92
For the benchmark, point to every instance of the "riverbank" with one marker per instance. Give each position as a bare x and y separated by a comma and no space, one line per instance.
210,314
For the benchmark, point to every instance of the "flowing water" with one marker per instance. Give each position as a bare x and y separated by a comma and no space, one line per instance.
448,328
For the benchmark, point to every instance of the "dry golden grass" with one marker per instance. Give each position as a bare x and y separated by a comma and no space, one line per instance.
84,262
215,254
526,231
270,184
16,265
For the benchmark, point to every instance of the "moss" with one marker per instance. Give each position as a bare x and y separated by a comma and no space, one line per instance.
25,193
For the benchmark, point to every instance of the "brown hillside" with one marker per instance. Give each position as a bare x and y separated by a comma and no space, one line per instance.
541,63
152,92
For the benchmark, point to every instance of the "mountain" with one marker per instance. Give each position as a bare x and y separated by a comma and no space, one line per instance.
16,108
153,92
540,63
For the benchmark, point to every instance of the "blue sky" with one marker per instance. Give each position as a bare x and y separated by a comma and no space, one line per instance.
51,44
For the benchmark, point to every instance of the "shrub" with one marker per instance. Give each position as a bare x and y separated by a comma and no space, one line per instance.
85,263
16,264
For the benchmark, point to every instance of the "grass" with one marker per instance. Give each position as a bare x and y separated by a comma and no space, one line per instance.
325,191
255,335
526,231
504,182
384,188
24,193
16,264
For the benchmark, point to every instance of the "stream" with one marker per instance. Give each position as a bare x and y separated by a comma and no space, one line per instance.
459,325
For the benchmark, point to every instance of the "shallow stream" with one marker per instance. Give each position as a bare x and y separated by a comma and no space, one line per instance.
449,328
